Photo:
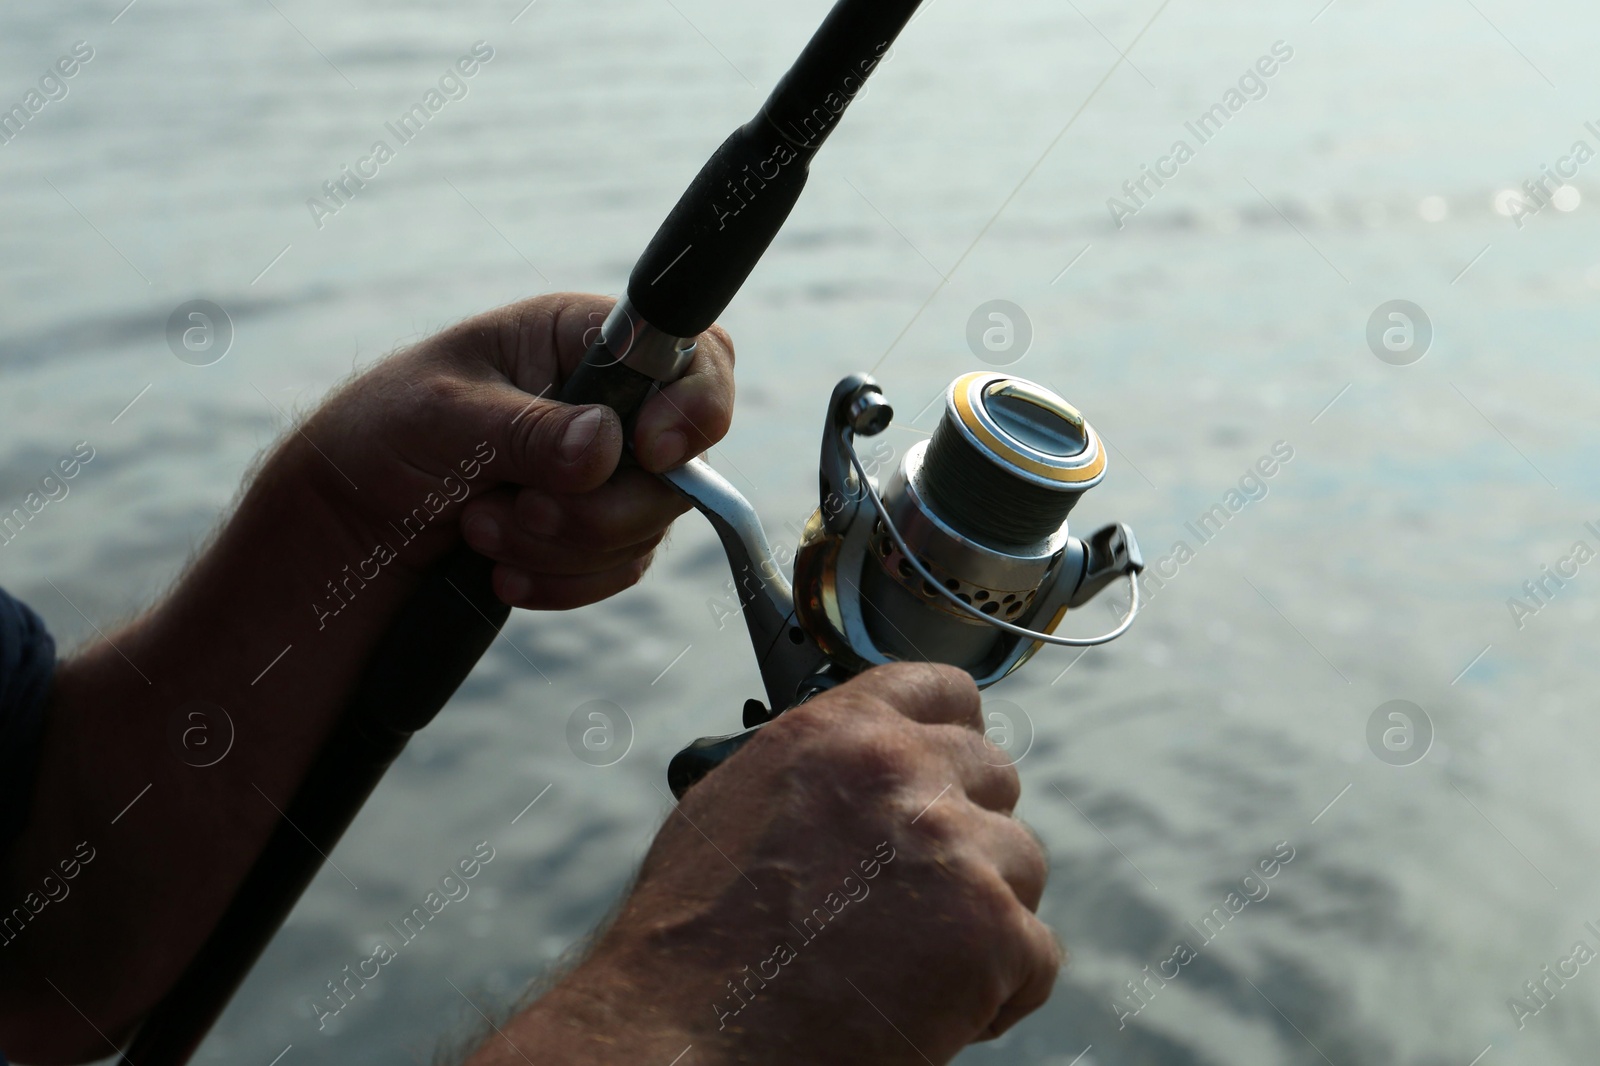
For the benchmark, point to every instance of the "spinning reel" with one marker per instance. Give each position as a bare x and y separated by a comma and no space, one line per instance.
963,557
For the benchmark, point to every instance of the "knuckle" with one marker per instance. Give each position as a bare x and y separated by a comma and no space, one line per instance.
641,563
718,420
597,528
537,434
1003,781
540,515
1053,955
1047,954
603,548
901,672
822,709
427,400
526,327
812,724
633,573
890,684
579,525
525,597
964,683
950,681
437,388
1033,863
1004,917
960,686
943,673
862,761
645,550
939,825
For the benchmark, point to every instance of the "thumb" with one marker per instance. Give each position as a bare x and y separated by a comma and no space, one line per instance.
548,445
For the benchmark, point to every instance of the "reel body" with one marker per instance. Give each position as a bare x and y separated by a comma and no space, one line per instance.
965,557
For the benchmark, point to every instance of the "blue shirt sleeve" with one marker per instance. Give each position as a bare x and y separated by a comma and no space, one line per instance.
27,665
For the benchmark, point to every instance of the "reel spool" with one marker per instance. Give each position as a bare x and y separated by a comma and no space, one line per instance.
983,507
964,558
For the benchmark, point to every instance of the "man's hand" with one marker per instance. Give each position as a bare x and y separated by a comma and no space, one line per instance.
471,414
850,888
274,622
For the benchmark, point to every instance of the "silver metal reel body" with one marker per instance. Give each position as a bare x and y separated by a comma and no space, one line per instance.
883,579
785,653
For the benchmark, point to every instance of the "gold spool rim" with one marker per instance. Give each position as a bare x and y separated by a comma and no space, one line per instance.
1006,451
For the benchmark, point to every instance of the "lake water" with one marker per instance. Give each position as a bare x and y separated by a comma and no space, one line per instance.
1228,313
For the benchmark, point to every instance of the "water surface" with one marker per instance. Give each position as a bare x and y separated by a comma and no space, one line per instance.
1227,315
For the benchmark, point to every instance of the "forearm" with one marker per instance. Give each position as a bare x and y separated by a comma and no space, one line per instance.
609,1011
275,621
241,630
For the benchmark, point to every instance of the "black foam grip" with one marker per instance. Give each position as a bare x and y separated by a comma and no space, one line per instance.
735,206
718,231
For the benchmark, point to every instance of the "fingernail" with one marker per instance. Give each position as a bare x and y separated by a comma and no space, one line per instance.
482,532
515,586
667,451
580,433
540,515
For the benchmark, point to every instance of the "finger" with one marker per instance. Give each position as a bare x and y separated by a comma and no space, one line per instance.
557,592
690,414
490,392
931,693
1016,853
631,507
491,531
544,339
576,326
514,525
538,342
953,755
991,783
1038,959
517,438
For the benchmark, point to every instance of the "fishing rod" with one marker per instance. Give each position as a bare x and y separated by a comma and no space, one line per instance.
688,275
963,557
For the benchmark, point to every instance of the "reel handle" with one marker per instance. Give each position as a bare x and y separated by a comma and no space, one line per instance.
706,754
701,757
